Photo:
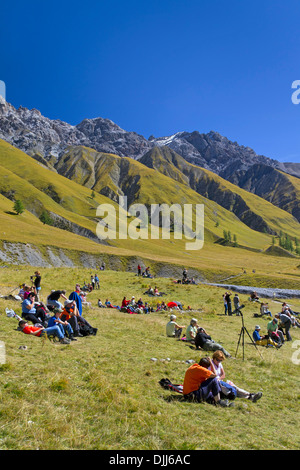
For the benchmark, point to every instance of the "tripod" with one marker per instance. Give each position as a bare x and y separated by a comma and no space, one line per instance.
242,336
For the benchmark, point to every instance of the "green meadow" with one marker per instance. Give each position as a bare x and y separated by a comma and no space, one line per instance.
102,392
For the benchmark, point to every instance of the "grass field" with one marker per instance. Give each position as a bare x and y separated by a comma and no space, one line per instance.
102,392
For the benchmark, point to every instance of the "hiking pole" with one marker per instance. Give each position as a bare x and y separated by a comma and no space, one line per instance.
242,335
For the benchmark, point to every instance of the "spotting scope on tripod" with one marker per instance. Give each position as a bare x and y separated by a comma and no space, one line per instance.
242,338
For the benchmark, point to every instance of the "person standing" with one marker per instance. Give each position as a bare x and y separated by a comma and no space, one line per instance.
37,283
225,303
236,301
286,323
97,282
228,301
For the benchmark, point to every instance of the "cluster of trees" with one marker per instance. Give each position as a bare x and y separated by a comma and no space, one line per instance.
229,238
44,217
286,242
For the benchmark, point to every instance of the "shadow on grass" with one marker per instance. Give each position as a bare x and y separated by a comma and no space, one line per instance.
10,213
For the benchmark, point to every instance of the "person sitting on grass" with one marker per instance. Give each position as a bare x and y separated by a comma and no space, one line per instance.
205,342
125,302
201,384
64,325
254,297
264,309
173,330
263,340
274,333
75,295
84,301
100,304
41,331
53,299
24,288
285,307
191,331
33,312
217,368
77,322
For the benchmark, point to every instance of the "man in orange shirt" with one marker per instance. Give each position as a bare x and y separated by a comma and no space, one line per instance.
202,384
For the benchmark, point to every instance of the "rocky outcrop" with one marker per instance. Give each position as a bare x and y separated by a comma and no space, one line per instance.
44,138
270,184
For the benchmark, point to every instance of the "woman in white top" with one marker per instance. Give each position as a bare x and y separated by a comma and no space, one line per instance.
217,368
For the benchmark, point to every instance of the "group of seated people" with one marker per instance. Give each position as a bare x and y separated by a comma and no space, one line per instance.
133,306
154,292
161,306
145,273
205,382
277,328
55,319
194,334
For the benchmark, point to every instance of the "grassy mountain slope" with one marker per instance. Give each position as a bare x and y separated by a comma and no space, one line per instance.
24,178
113,176
279,188
253,210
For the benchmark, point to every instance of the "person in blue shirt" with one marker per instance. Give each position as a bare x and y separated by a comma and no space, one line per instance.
32,311
97,283
263,340
75,296
64,326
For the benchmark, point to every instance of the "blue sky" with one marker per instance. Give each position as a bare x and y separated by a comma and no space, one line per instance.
160,67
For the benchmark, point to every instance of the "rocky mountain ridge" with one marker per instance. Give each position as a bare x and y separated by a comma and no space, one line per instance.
46,140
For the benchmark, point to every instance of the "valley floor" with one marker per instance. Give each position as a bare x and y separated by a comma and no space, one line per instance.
103,393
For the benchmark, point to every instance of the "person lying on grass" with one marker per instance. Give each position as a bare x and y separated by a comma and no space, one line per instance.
205,342
41,331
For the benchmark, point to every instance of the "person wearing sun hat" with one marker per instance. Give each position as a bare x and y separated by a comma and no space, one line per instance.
263,340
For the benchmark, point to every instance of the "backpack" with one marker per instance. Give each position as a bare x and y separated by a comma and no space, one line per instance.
168,385
86,330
